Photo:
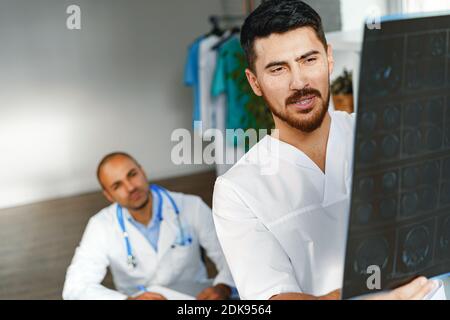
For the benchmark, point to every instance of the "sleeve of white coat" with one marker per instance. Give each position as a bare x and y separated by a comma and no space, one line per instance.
259,265
89,266
208,240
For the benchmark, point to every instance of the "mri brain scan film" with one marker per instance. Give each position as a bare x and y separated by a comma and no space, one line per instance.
400,207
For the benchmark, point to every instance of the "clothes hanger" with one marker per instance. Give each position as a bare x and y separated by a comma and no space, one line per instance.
234,31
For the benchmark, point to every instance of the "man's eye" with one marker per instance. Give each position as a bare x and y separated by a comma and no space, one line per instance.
277,70
310,60
132,174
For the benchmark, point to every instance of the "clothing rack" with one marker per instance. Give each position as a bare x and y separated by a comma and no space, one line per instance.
231,22
247,8
216,19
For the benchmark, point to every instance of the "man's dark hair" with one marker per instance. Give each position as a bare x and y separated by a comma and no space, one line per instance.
278,16
109,157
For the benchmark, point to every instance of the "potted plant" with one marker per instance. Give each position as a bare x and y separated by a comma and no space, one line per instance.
342,91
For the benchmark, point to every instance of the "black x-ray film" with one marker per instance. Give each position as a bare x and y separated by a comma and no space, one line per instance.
400,207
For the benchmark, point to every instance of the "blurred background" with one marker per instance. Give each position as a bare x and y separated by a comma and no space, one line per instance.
68,97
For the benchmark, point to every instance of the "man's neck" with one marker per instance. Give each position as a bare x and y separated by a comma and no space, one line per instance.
313,144
143,215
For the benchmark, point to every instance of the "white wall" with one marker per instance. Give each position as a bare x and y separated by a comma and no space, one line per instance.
354,12
69,97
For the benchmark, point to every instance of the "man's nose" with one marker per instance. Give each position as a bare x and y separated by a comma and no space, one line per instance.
130,187
298,80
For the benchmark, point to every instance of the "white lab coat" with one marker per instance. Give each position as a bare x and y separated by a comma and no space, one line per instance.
286,232
103,246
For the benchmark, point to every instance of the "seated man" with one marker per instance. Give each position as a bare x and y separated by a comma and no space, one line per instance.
147,236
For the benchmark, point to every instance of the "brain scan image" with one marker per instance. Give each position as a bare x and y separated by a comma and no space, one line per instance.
435,45
390,146
444,238
388,208
410,203
446,169
413,114
384,74
364,213
447,137
400,199
391,117
410,177
434,112
390,181
368,150
431,172
428,198
416,248
372,251
366,187
445,194
433,138
412,140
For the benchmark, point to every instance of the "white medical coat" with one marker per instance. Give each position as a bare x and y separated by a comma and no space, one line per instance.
103,246
285,231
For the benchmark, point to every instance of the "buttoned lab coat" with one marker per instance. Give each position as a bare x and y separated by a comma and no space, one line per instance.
103,246
285,231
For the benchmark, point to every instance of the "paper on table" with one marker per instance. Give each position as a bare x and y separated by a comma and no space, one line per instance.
438,293
169,293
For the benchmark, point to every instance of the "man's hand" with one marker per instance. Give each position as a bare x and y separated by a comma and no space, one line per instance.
335,295
148,296
415,290
218,292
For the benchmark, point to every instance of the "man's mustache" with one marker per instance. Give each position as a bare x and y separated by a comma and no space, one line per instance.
299,94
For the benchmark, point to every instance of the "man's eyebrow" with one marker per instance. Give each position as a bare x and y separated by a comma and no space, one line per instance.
308,54
114,184
283,63
128,174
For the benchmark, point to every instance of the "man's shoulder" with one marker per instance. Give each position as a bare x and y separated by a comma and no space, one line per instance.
251,163
181,196
345,119
253,170
105,215
186,200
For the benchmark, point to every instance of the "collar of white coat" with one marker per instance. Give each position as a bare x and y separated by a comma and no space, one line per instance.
168,227
339,153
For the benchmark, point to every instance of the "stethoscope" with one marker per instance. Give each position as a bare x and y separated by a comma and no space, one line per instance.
184,240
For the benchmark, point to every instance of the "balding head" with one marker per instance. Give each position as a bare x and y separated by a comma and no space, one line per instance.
108,158
123,180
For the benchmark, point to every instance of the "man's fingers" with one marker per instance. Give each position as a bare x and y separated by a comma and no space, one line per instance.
334,295
426,289
202,295
154,296
408,290
209,294
214,296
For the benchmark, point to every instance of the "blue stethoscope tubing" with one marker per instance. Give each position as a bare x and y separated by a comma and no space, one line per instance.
159,191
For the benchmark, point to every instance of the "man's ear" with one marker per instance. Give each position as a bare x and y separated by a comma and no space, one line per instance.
253,81
108,196
330,59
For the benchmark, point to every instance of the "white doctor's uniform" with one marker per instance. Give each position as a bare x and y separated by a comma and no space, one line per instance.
286,232
103,246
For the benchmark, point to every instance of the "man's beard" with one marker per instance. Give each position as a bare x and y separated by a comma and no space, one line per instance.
316,115
142,205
